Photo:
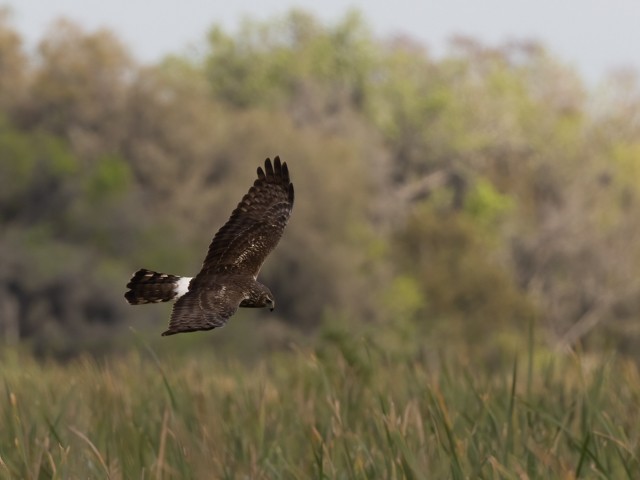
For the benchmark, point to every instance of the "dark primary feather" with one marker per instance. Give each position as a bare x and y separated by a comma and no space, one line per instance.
255,226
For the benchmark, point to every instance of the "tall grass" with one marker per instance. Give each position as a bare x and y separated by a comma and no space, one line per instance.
345,409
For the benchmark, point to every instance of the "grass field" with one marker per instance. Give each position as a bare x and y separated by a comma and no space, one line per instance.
344,409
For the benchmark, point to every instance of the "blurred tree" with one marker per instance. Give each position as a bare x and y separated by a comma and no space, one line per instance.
453,197
79,89
13,65
467,291
293,62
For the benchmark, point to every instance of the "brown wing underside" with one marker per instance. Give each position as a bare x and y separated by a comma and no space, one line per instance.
205,308
255,226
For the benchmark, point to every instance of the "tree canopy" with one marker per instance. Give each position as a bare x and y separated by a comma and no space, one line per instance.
459,198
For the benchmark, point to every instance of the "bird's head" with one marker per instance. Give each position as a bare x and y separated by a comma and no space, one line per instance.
269,301
259,296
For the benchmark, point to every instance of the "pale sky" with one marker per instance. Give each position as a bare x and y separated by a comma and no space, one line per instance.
594,36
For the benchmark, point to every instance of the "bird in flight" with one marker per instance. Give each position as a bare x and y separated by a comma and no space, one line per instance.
228,278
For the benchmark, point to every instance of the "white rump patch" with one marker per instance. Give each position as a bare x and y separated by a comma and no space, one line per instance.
181,286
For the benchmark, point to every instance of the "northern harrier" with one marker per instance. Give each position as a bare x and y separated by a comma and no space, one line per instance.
229,271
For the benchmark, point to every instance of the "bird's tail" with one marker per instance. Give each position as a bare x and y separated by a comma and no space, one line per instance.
146,286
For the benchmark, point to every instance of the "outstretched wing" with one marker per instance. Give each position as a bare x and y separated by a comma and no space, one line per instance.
204,308
255,226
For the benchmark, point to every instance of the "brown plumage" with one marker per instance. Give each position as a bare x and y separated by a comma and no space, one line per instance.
151,287
227,279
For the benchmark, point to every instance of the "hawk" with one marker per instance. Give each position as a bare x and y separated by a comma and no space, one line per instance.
228,278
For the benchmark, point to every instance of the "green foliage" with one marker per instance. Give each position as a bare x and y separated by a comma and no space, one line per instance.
456,197
486,206
32,167
112,176
17,163
345,410
403,298
272,63
449,256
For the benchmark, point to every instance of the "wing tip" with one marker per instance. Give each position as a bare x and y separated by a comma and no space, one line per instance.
268,168
278,170
275,169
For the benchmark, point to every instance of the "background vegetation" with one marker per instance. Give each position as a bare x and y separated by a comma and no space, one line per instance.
458,197
450,211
